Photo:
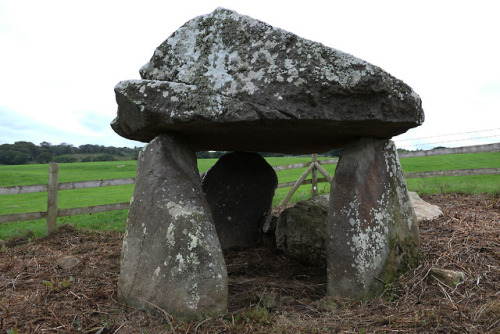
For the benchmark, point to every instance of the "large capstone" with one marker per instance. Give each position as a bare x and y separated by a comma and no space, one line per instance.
228,82
372,227
239,189
171,257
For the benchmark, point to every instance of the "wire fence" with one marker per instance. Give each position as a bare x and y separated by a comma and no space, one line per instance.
478,137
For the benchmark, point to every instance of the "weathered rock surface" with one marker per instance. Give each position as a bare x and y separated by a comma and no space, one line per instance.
239,189
301,231
424,210
372,227
68,262
229,82
448,277
171,255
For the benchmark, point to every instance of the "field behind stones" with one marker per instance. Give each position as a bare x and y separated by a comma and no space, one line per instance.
115,220
268,292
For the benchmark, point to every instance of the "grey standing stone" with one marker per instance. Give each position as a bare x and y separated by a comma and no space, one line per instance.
301,230
171,255
239,189
372,228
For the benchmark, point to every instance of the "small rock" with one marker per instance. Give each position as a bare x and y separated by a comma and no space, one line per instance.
270,300
424,210
68,262
448,277
327,303
3,244
287,300
270,224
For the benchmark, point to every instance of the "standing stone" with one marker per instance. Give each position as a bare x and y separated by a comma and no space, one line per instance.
372,228
239,189
171,256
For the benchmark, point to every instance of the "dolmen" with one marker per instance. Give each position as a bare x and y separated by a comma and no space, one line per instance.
228,82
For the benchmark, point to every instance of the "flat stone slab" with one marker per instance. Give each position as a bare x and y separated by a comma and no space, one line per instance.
225,81
424,210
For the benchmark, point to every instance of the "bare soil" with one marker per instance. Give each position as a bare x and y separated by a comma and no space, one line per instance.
268,292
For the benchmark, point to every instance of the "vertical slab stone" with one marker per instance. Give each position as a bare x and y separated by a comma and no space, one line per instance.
171,255
372,229
239,189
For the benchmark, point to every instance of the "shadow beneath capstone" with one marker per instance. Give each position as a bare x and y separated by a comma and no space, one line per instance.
265,276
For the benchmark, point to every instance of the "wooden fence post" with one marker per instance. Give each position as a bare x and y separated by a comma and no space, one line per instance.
52,198
314,175
296,186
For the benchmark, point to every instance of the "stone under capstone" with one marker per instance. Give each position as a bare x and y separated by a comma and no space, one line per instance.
228,82
372,229
171,257
239,189
301,231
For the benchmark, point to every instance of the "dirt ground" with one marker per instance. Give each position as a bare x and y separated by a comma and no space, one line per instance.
268,292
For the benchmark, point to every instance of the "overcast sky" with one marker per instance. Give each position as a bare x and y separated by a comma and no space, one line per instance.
60,60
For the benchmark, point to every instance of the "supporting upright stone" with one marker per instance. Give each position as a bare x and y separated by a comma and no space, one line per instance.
372,228
171,257
239,189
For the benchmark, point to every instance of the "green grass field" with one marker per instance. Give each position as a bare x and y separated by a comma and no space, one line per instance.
38,174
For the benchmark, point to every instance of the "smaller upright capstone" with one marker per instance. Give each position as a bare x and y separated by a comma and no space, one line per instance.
239,189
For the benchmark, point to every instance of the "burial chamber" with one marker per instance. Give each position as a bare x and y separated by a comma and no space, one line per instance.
225,81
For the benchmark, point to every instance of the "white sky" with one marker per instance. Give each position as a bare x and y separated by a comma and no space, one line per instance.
60,59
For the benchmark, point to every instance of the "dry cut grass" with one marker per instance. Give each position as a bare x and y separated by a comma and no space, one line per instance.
268,292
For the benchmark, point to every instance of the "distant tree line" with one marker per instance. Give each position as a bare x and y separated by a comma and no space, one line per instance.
23,152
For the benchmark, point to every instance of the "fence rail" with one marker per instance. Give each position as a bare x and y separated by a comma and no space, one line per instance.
312,167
